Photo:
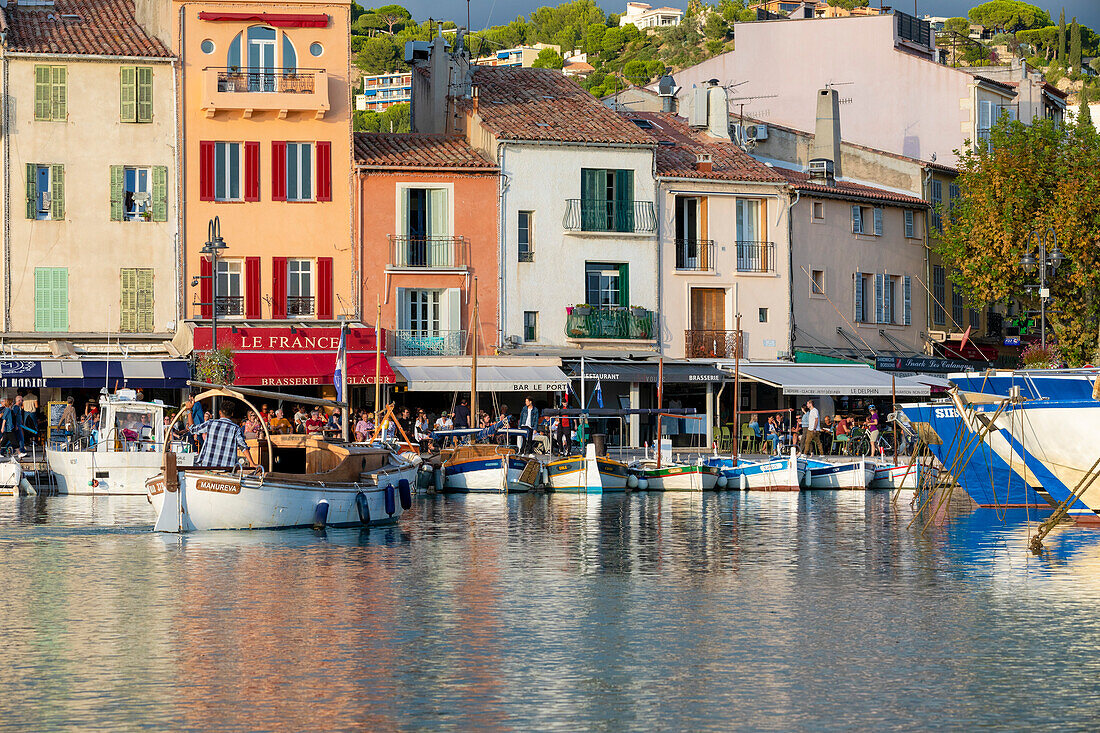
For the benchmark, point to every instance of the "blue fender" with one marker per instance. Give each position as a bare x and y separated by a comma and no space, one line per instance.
405,492
320,514
391,500
363,508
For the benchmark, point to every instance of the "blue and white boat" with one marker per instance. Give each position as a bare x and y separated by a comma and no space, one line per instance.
589,474
485,467
847,475
782,473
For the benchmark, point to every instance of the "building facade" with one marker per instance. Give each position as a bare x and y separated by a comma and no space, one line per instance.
382,91
91,266
644,15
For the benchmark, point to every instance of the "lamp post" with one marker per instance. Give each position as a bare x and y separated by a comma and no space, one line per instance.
1049,258
214,245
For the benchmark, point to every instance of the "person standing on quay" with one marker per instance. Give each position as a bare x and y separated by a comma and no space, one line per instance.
528,421
813,429
462,415
873,426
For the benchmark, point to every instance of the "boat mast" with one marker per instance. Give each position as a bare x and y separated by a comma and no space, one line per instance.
377,361
345,413
737,390
473,359
660,403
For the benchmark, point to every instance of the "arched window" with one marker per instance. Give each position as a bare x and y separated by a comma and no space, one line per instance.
233,58
290,58
262,57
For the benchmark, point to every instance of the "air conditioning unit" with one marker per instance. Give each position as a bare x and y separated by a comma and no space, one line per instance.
821,168
756,132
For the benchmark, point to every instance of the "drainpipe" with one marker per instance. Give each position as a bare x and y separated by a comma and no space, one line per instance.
502,249
7,201
927,195
790,270
181,183
660,320
178,242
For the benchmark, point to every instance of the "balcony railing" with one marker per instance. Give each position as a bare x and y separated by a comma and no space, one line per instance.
597,215
590,322
229,305
712,344
280,90
694,254
429,343
428,252
299,305
755,256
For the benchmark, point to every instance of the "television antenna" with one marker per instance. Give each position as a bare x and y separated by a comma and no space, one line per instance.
741,102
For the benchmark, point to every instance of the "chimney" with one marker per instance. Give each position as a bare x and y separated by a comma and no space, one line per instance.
827,131
718,110
666,89
703,163
473,98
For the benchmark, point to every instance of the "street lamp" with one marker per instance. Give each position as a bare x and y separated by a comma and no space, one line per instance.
214,245
1050,259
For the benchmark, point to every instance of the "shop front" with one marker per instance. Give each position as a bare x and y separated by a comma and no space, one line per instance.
301,360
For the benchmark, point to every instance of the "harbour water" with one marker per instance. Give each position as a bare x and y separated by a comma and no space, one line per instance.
819,610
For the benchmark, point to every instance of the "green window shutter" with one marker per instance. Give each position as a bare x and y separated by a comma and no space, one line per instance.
118,192
624,200
60,298
145,300
624,285
128,302
59,93
144,94
128,94
160,193
594,199
32,191
57,192
42,92
43,301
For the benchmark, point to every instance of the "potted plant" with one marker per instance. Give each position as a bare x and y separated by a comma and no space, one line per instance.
638,311
582,309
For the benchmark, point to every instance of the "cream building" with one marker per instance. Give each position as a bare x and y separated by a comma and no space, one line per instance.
89,161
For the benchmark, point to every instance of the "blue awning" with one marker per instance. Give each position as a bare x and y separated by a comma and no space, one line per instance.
87,373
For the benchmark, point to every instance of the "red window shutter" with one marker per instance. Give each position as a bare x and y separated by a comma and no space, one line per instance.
324,288
278,287
206,170
278,171
251,171
252,302
324,171
206,288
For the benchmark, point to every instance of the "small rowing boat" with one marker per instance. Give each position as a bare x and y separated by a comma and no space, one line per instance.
589,473
851,475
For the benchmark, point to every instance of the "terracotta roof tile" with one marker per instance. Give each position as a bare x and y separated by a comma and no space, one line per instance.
81,27
546,105
678,145
416,150
847,190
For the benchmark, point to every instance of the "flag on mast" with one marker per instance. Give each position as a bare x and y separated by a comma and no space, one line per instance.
338,373
598,394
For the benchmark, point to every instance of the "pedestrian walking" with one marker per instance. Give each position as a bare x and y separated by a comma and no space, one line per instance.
7,424
528,421
69,422
812,425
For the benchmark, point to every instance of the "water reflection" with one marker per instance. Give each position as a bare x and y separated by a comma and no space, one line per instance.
773,611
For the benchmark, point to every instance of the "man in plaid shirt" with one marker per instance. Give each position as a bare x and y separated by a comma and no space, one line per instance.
223,438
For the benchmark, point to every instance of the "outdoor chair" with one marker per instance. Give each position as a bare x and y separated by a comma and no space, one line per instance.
749,442
725,440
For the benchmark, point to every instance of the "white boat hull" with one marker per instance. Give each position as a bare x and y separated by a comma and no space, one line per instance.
587,474
856,475
207,500
487,475
679,478
899,477
779,474
107,473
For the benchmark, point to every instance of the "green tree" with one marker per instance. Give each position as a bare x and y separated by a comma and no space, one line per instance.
716,28
548,58
1075,45
1084,114
1061,57
1044,40
395,119
637,72
1095,64
1009,15
849,4
379,55
958,25
365,121
1037,176
593,37
392,17
613,42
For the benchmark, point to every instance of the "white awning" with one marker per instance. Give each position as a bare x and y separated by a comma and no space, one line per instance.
534,378
831,379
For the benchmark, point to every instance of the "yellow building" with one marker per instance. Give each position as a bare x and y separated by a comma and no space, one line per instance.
90,264
265,116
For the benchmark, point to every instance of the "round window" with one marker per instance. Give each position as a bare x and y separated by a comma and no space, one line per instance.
207,46
316,49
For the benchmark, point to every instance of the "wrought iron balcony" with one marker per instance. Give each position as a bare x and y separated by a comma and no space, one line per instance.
755,256
429,343
428,252
713,344
229,305
590,322
281,90
597,215
695,254
299,305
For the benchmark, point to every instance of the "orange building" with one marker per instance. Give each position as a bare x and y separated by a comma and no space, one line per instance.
427,227
265,116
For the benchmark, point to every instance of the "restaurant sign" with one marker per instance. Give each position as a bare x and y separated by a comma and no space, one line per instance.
925,364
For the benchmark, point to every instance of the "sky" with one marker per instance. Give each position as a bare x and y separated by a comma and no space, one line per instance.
498,12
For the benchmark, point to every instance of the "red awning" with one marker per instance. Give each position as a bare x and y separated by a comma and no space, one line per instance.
279,20
290,370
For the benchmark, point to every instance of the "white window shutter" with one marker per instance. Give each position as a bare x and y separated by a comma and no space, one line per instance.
451,310
859,298
880,308
438,213
857,220
402,319
878,221
908,310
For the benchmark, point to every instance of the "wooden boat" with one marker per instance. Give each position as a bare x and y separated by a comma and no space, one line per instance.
305,481
848,475
781,473
128,450
676,476
905,476
589,473
485,468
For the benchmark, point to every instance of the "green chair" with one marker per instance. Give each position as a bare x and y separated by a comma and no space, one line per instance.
749,441
725,439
